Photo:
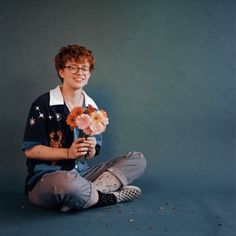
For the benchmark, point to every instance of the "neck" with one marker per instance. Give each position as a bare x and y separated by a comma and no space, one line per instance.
71,97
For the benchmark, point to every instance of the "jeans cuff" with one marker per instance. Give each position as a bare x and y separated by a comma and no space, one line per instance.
119,175
92,198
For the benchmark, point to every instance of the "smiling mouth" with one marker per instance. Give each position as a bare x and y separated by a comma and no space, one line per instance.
79,79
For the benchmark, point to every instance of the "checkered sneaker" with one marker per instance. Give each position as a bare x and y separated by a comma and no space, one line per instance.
127,193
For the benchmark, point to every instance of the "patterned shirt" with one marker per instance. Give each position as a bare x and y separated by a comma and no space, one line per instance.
46,125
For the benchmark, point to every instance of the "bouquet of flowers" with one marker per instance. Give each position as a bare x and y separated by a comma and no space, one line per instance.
87,122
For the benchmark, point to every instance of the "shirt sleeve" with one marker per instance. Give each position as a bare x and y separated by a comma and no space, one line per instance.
35,129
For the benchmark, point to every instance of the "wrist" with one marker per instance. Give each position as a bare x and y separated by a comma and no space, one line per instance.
68,153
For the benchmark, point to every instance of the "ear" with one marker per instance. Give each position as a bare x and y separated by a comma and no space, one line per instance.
61,73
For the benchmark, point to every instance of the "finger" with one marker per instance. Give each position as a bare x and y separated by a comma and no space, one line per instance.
90,142
82,145
91,138
83,149
79,140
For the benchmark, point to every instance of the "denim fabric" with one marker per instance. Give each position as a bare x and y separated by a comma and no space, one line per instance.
70,188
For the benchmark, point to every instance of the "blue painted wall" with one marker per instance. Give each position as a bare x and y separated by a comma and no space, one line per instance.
165,72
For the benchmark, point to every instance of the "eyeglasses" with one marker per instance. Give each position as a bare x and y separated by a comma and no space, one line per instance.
75,69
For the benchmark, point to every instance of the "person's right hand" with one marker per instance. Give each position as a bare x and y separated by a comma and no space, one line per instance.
78,148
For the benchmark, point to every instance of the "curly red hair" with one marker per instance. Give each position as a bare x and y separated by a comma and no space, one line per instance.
74,52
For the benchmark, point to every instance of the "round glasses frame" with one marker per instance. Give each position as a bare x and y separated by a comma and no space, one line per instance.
75,69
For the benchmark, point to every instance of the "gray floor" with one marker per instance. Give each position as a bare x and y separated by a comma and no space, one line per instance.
188,190
155,213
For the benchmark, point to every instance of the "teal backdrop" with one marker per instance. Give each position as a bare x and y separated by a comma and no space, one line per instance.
165,73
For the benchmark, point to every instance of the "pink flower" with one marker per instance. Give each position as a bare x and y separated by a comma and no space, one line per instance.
83,121
105,120
89,131
95,128
98,128
89,120
99,117
96,117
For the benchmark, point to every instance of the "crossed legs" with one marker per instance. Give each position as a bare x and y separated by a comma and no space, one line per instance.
70,188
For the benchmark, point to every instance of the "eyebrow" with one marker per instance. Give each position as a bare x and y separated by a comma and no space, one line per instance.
77,66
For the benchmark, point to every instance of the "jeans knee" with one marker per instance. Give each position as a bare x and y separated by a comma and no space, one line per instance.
72,189
63,188
141,162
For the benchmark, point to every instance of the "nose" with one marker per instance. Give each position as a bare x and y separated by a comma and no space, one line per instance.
80,71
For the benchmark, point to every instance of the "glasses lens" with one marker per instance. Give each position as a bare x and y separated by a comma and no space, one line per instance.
74,69
85,71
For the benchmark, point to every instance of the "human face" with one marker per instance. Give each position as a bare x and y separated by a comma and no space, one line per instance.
75,74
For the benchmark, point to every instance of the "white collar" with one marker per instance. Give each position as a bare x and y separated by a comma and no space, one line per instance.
56,98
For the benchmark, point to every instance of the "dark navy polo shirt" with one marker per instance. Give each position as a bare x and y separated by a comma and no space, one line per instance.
46,125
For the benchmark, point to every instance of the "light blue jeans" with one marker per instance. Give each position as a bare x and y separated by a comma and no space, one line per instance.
60,188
